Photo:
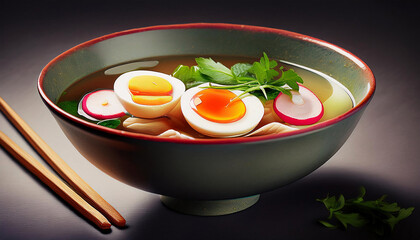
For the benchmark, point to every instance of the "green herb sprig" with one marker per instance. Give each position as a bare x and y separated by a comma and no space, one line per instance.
378,215
260,78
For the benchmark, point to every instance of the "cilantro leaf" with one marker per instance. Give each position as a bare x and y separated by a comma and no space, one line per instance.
190,76
269,67
218,72
70,107
333,204
291,78
402,214
327,224
362,193
259,71
328,202
263,69
354,219
241,69
393,207
111,123
378,214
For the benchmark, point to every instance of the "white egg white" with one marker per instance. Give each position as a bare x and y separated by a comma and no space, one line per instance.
147,111
253,114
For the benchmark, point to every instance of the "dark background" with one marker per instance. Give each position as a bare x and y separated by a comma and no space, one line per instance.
382,154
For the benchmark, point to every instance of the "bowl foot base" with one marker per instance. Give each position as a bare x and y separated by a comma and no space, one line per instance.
209,208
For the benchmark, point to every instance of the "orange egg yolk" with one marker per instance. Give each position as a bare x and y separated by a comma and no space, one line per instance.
218,105
150,90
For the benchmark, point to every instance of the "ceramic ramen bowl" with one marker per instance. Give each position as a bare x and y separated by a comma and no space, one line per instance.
207,176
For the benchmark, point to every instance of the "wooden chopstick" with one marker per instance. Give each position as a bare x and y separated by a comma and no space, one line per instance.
54,182
61,167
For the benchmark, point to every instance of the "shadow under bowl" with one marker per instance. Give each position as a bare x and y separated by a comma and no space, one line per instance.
208,176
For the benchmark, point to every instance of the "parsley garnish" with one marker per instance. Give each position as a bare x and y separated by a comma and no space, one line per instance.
111,123
70,107
260,78
378,215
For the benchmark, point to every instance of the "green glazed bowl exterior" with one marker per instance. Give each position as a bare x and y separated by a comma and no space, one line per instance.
207,169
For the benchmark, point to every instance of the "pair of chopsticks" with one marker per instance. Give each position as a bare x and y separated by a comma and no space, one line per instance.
83,198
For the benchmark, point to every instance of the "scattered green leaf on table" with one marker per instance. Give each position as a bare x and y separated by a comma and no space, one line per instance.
378,214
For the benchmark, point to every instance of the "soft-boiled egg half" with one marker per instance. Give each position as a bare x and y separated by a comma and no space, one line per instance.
148,94
219,112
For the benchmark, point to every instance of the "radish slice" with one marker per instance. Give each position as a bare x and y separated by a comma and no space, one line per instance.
102,104
303,109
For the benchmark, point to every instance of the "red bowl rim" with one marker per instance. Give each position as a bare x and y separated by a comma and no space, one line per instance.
71,118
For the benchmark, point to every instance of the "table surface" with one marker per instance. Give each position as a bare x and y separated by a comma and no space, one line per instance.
382,154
